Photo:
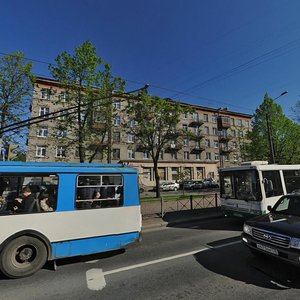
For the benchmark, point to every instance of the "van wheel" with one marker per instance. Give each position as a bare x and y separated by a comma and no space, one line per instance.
22,257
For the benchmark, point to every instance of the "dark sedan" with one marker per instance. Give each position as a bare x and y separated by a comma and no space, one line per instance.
277,233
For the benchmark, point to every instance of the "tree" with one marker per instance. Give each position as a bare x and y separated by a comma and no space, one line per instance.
88,86
153,122
285,135
16,83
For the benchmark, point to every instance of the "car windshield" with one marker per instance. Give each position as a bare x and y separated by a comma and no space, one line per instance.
288,205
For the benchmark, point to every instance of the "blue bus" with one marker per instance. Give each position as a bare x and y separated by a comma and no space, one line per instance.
50,211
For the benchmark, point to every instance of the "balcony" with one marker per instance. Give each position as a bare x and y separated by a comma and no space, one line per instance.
223,122
197,149
172,148
195,136
196,123
225,150
224,137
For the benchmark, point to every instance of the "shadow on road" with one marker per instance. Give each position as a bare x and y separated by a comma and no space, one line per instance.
235,261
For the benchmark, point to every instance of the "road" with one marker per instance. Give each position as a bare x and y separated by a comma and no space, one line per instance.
203,260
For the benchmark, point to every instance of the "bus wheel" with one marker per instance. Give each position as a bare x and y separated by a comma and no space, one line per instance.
22,257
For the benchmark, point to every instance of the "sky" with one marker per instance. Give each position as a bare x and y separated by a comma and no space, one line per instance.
216,53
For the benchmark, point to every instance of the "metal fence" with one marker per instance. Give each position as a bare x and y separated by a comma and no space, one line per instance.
170,204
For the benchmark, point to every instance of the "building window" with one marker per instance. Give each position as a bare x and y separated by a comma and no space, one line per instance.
185,115
60,151
217,157
208,155
196,130
116,137
161,155
185,141
99,117
214,119
117,104
116,153
215,131
186,155
63,96
234,133
132,123
197,144
234,145
62,133
42,132
130,138
195,116
239,122
46,94
197,156
44,111
232,122
206,130
207,143
131,154
146,155
40,151
205,117
185,127
117,120
63,117
174,155
216,144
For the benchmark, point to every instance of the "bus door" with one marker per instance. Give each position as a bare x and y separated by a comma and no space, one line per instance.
272,185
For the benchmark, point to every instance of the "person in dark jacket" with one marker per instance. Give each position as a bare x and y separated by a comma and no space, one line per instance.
25,204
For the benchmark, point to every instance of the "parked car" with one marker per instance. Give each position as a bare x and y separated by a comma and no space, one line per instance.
193,185
197,185
187,185
276,233
169,186
210,183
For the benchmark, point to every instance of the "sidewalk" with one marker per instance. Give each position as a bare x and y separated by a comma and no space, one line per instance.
176,218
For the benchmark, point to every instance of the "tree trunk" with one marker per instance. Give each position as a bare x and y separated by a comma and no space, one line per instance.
155,167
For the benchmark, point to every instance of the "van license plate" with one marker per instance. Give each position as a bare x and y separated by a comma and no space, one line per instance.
267,249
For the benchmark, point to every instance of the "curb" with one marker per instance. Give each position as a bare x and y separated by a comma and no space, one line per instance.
162,223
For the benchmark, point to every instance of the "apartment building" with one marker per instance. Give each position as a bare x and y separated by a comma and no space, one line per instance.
216,139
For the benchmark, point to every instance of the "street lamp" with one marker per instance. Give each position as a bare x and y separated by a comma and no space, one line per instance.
269,129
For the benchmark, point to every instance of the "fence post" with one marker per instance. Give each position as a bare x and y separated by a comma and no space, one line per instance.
191,201
216,199
161,207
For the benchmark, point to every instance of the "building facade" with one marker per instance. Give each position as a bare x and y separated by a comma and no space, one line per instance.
216,141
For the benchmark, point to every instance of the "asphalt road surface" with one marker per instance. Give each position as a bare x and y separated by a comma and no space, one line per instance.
203,260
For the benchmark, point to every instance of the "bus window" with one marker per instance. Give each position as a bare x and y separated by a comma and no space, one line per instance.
247,187
227,190
12,200
272,183
292,180
99,191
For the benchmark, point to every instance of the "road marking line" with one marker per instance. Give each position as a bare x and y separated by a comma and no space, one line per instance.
227,244
156,261
95,279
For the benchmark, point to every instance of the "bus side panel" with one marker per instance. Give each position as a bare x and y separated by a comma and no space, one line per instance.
93,245
131,192
66,192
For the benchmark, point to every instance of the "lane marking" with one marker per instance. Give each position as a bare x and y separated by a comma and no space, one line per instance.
95,279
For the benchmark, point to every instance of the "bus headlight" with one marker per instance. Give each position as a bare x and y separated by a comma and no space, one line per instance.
247,229
295,243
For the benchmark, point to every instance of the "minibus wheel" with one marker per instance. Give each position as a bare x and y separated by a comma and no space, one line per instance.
22,257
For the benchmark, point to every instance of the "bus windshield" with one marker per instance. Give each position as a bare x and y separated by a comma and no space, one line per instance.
242,184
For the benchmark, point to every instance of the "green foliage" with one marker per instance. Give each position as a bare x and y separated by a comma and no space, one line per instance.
89,85
156,125
285,133
15,87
